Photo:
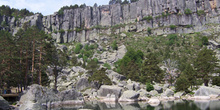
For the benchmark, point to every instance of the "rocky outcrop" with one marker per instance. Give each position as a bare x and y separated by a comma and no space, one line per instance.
129,96
4,105
86,23
207,91
37,97
105,90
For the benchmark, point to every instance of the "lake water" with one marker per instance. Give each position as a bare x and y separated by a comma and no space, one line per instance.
166,105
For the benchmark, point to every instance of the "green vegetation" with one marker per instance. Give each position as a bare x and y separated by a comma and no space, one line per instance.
171,39
114,46
7,11
60,12
187,11
205,64
62,31
100,77
149,87
172,27
27,56
150,70
148,18
78,48
216,80
134,68
149,30
201,12
107,66
205,41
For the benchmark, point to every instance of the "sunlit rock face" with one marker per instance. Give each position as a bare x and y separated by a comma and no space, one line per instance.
82,24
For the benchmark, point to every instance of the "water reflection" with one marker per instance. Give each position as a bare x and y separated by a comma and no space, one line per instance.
164,105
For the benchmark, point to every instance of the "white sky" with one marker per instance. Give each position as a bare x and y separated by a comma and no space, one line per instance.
47,7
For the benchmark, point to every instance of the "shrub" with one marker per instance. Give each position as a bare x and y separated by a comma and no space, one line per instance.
205,41
201,12
101,77
114,46
80,56
62,31
187,11
78,48
149,30
74,61
182,84
148,18
107,66
95,60
85,58
216,80
172,38
172,27
149,87
189,26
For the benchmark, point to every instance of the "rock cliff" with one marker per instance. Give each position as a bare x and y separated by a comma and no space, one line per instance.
82,24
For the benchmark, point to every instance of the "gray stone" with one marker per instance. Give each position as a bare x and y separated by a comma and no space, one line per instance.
130,86
106,89
4,105
207,91
113,75
153,93
37,95
158,88
129,96
82,84
168,93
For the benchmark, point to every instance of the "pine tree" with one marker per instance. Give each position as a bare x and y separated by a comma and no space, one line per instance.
151,71
205,64
190,75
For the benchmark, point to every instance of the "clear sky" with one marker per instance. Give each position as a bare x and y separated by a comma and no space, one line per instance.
47,7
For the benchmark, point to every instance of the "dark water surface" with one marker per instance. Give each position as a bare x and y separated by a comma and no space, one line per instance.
165,105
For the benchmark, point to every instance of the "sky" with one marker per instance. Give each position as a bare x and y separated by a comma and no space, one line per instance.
47,7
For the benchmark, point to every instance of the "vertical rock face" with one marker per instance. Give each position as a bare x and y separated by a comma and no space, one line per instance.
164,13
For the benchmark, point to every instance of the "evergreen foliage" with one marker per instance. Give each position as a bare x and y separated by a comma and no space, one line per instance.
7,11
187,11
114,46
100,77
78,48
205,64
150,70
149,87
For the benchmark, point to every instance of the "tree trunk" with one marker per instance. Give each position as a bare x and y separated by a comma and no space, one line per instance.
33,55
55,77
40,66
26,73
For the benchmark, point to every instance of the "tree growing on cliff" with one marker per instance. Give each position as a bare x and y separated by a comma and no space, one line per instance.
206,64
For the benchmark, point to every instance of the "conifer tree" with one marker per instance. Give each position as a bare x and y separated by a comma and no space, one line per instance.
206,64
150,70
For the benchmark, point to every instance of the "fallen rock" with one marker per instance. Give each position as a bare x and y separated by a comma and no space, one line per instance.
113,75
129,96
207,91
158,88
168,93
153,93
106,89
130,86
82,84
154,101
109,98
4,105
36,96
